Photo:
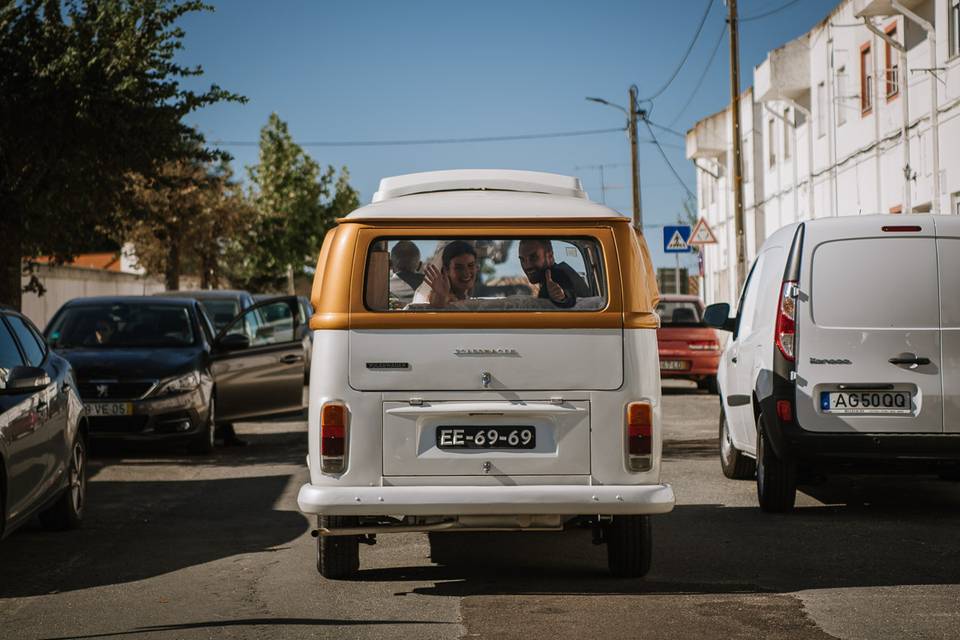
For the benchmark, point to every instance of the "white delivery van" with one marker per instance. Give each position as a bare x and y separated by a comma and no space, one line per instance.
485,358
845,353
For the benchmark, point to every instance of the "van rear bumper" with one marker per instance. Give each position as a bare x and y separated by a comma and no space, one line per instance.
475,500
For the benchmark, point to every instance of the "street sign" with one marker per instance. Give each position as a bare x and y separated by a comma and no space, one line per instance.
702,233
675,239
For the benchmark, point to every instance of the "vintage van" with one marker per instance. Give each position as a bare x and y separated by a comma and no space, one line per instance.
485,359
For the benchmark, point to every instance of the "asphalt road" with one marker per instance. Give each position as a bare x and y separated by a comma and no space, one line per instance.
180,546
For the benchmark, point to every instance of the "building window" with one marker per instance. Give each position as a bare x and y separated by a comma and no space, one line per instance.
772,142
866,80
786,134
954,20
891,65
821,110
842,95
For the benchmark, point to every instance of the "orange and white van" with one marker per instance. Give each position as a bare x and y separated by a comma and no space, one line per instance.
485,358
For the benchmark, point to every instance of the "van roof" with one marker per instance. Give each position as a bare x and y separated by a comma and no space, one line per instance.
481,193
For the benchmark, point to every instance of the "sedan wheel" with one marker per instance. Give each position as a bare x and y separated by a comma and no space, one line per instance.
67,511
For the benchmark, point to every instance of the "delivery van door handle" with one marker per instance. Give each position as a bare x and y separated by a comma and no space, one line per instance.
290,359
909,359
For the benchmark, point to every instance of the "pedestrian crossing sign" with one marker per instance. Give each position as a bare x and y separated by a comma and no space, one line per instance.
675,239
702,233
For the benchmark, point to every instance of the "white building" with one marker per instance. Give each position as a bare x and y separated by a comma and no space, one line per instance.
823,128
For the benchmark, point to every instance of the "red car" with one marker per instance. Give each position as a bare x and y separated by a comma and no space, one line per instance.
689,349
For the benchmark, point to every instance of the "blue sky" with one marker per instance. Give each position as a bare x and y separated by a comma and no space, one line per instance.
378,70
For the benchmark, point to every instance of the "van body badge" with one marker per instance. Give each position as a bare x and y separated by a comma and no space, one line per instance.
388,365
486,352
829,361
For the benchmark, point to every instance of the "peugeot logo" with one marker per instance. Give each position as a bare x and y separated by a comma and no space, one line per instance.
102,390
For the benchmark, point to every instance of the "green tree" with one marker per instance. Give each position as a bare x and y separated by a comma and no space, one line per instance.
90,93
296,204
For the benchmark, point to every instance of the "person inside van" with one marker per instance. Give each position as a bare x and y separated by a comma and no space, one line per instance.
456,278
558,282
406,265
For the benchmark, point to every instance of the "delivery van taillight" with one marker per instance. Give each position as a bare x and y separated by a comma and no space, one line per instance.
639,436
333,437
786,331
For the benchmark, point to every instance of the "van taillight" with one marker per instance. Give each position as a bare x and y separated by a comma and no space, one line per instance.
639,436
333,437
786,331
901,228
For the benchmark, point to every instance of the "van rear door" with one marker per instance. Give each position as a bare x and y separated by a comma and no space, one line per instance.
948,253
868,328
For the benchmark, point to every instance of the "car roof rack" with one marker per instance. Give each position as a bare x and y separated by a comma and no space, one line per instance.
479,180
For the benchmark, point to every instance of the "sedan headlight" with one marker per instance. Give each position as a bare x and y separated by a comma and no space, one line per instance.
179,384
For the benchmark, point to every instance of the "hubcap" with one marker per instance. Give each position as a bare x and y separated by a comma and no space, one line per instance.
77,479
726,444
211,420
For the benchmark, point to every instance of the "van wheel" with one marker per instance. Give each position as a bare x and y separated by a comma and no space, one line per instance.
709,385
735,464
338,557
776,478
629,546
67,511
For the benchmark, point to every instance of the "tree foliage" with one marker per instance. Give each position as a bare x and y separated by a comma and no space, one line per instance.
90,92
296,203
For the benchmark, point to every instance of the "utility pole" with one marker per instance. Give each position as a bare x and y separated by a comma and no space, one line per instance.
635,159
737,152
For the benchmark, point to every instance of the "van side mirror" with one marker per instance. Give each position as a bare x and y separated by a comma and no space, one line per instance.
234,342
718,316
26,380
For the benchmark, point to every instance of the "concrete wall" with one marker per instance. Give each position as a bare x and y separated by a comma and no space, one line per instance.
66,283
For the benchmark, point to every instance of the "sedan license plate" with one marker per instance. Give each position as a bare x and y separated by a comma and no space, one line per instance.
503,437
866,401
674,365
108,409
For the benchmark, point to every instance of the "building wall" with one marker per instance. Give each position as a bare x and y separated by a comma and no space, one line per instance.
857,164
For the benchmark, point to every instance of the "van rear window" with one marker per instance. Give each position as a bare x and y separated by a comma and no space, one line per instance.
876,283
485,274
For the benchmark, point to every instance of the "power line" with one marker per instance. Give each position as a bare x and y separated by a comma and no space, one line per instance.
669,164
397,143
699,83
771,12
667,129
686,55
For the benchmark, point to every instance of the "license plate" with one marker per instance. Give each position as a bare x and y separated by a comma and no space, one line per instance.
108,409
674,365
502,437
866,401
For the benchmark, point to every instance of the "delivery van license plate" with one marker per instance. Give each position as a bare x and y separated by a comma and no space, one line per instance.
476,437
866,401
108,408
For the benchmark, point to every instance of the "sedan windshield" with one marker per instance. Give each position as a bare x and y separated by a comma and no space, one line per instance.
122,325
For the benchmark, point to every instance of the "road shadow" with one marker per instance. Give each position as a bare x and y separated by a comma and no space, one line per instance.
261,448
685,391
873,535
137,530
702,448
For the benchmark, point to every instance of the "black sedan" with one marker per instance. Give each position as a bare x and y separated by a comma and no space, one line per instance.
152,368
43,451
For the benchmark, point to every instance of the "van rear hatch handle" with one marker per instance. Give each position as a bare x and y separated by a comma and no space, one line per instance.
909,359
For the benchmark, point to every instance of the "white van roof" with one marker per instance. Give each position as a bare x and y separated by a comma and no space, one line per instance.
481,193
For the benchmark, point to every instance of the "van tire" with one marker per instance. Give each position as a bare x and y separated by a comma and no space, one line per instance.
734,463
629,546
338,557
776,478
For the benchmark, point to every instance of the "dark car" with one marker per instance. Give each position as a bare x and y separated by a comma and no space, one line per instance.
152,368
306,335
221,305
43,452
